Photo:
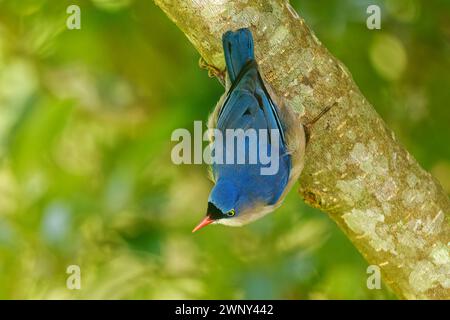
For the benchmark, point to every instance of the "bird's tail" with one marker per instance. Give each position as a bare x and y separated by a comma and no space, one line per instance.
238,50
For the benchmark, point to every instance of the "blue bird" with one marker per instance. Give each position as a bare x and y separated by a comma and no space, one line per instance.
241,193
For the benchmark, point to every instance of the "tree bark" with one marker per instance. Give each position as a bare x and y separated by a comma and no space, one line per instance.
394,212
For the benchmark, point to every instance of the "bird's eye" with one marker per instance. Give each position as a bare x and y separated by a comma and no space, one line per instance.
231,213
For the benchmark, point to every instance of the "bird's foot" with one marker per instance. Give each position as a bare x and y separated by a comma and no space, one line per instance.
213,71
308,125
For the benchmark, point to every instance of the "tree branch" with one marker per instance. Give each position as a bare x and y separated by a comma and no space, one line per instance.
393,211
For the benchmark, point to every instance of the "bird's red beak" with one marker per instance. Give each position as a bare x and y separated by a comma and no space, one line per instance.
204,223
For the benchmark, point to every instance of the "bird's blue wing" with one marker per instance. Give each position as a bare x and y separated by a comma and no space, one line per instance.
248,105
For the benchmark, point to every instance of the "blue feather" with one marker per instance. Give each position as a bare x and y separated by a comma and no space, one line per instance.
238,50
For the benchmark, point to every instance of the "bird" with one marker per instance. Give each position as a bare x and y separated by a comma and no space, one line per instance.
241,193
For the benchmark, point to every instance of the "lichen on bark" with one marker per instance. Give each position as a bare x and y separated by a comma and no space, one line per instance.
394,212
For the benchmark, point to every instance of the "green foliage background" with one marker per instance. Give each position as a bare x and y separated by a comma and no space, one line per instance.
85,171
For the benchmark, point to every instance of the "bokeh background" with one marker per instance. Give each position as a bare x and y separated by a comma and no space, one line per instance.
85,171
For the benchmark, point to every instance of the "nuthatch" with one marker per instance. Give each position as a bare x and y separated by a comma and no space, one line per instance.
242,193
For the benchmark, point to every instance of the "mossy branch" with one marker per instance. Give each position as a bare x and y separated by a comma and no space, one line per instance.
393,211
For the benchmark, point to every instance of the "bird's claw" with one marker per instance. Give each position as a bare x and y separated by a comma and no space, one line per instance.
213,71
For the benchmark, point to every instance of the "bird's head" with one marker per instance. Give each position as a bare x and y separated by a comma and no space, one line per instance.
222,204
